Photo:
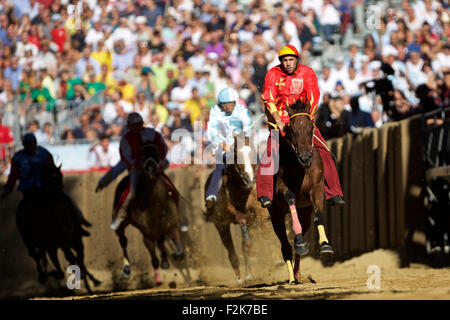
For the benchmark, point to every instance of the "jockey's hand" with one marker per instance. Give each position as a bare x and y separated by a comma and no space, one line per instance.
280,124
98,188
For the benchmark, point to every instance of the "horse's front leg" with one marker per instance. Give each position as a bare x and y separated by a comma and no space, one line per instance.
120,232
316,195
242,220
301,246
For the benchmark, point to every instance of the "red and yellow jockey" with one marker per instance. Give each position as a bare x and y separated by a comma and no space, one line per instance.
284,84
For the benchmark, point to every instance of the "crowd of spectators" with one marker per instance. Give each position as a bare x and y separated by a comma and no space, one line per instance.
73,70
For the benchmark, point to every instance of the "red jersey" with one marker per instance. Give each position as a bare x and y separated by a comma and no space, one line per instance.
281,89
6,137
59,37
130,145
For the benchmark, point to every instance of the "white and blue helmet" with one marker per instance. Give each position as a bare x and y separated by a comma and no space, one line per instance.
227,95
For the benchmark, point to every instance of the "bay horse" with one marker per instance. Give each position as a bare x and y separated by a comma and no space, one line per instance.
231,208
50,221
153,211
299,186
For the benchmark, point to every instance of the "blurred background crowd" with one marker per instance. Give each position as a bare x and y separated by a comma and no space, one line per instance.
71,71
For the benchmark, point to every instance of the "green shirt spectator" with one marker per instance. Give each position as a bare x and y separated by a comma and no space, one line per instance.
42,95
70,87
159,70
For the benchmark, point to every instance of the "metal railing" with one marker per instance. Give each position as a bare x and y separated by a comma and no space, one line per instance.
65,114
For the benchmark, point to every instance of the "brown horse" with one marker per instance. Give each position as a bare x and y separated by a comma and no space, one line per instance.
49,221
153,211
231,208
299,186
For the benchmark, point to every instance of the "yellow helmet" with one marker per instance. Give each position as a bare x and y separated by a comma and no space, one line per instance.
288,50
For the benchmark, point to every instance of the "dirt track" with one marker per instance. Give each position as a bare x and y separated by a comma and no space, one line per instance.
347,280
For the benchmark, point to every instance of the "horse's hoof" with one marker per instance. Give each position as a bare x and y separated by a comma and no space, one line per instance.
239,280
326,249
97,282
302,248
178,256
165,264
249,277
326,255
126,272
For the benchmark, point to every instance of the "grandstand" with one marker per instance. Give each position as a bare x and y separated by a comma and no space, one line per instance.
72,70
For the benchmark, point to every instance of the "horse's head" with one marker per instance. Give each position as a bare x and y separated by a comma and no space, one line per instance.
245,163
150,159
300,132
53,178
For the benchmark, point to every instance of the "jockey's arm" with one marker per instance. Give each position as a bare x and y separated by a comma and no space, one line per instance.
270,91
162,148
125,153
312,92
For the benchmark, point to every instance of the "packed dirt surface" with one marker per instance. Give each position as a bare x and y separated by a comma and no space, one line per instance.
346,280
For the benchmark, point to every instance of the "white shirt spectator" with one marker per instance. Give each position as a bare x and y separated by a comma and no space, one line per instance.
328,85
197,61
109,113
104,159
329,16
316,5
93,36
291,29
442,61
181,94
351,85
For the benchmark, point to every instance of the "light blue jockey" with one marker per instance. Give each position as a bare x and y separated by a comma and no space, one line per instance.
226,119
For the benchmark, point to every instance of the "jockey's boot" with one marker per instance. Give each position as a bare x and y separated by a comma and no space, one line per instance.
265,202
337,201
210,201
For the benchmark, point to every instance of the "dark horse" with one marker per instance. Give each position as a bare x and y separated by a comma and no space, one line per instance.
299,185
231,208
153,211
48,220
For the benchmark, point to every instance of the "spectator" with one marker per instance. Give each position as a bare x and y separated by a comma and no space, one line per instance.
105,156
329,19
41,136
95,34
46,59
13,73
6,141
111,108
80,132
182,92
86,60
333,119
59,34
122,58
143,107
42,96
194,106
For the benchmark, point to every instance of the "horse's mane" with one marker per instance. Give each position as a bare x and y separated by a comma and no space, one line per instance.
301,106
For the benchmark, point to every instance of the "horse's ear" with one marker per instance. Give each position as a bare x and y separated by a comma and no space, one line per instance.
59,167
